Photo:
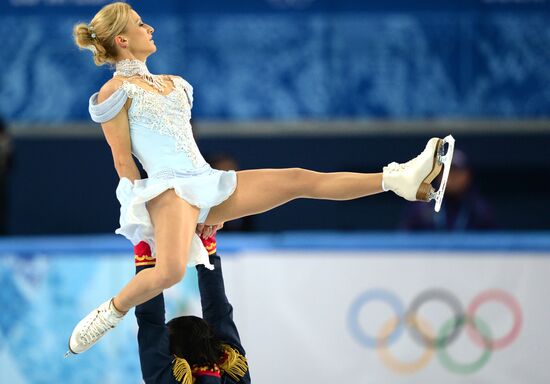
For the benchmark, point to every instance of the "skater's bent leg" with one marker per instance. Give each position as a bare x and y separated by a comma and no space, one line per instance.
264,189
174,221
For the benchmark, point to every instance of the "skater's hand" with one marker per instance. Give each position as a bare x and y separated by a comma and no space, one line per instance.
206,231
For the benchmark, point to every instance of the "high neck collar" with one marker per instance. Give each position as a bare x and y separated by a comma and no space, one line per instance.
134,67
131,67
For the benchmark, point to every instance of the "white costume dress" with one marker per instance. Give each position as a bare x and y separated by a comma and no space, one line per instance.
163,142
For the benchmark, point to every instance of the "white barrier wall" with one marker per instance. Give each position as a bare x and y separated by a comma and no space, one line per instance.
357,309
393,317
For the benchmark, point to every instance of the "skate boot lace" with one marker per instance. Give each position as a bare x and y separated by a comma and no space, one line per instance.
95,328
397,167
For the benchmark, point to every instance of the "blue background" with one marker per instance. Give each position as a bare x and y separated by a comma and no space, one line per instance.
317,60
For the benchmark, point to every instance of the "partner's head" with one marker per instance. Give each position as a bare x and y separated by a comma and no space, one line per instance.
192,339
116,32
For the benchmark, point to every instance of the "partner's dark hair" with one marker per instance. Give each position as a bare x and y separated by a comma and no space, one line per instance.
192,339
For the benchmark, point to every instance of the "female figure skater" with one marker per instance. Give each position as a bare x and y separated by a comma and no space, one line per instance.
149,116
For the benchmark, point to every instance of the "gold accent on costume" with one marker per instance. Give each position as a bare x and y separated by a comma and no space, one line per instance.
144,260
182,371
212,370
145,263
235,364
210,248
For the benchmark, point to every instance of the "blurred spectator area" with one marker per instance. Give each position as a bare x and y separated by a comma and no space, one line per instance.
66,184
320,84
297,59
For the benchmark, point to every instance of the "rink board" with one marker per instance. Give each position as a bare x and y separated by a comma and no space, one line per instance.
310,308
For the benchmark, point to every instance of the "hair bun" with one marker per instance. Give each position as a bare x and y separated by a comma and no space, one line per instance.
98,35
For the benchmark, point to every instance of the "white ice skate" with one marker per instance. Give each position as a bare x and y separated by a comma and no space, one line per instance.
92,328
412,180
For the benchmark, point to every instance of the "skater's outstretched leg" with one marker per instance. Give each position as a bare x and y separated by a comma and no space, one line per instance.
264,189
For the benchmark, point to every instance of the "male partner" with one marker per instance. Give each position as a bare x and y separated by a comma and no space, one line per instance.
189,349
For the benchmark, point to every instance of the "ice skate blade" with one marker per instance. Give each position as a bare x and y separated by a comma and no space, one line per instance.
69,352
445,161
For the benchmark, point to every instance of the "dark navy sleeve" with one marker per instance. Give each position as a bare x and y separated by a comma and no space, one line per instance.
207,380
217,311
153,341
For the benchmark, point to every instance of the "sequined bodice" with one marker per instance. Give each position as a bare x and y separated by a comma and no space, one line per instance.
168,115
160,127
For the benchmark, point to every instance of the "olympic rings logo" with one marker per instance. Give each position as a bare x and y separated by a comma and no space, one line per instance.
431,341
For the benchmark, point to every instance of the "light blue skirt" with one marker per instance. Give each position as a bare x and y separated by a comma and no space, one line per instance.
205,190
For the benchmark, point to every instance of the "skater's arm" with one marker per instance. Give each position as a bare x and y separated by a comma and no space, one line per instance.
217,311
117,134
153,339
153,342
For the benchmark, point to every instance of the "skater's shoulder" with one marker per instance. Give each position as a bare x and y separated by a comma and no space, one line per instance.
172,77
108,102
178,79
109,88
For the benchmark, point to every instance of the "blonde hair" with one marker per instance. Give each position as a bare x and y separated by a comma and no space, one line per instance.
99,35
